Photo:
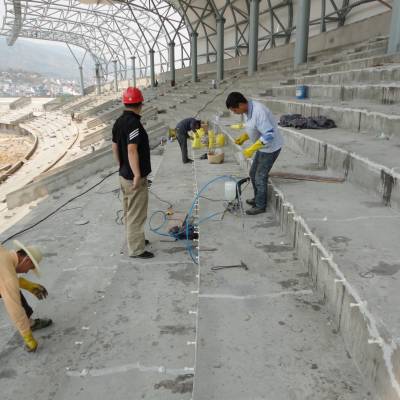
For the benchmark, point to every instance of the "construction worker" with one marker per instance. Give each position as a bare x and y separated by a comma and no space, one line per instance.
132,151
182,129
16,262
263,131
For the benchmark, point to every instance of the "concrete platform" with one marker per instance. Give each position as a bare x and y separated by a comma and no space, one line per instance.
120,325
261,332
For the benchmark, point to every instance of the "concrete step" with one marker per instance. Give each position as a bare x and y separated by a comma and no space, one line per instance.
381,93
365,160
261,330
347,239
384,73
350,116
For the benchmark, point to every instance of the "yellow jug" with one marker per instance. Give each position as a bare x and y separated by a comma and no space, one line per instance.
220,140
196,144
211,139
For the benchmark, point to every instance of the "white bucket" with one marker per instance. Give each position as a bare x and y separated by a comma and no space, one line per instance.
230,191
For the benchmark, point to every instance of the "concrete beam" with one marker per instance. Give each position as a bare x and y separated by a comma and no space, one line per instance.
98,79
133,58
394,38
152,69
302,30
193,42
171,47
220,48
115,76
81,80
253,36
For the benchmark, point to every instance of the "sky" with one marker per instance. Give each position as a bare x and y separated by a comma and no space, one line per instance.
42,56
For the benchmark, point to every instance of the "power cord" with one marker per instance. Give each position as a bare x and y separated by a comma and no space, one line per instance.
57,209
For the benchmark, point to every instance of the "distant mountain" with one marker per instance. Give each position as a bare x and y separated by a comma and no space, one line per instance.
48,58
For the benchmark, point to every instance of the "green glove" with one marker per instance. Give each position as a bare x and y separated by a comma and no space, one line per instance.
37,290
241,139
30,343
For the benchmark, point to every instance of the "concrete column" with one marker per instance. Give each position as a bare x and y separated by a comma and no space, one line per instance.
193,48
115,76
133,58
98,79
323,12
394,36
171,47
152,70
81,77
253,36
220,48
302,29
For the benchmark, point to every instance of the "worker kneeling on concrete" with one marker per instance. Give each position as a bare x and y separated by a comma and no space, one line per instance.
132,151
182,135
13,263
267,143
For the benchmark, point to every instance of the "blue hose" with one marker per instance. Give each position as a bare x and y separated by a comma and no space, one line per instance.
189,245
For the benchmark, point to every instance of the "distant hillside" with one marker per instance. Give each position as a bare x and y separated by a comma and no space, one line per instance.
49,59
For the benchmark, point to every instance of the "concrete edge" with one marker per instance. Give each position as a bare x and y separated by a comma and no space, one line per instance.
361,171
375,353
66,175
14,168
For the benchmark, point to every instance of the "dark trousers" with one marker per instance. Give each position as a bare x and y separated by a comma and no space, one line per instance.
259,171
25,305
182,140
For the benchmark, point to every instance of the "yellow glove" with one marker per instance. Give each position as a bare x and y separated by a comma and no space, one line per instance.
252,149
241,139
37,290
30,343
237,126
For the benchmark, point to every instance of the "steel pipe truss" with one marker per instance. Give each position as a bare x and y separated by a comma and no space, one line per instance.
108,31
119,29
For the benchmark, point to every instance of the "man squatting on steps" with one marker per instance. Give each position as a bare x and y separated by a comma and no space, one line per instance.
131,149
16,262
263,131
182,129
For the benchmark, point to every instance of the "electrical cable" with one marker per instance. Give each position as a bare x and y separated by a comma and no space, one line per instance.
57,209
170,205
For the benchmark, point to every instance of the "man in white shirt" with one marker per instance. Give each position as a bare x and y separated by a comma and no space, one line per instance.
263,131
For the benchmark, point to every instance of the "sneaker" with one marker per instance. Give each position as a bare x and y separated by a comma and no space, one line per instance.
145,254
41,323
251,202
255,211
188,161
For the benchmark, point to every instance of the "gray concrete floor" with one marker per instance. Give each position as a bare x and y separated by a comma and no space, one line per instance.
121,327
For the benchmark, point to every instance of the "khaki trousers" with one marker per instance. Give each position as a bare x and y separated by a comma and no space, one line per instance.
135,213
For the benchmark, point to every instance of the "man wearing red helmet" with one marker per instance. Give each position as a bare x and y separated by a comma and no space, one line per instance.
132,151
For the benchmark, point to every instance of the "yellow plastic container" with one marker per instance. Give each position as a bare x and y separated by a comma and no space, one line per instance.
196,144
220,140
211,139
201,132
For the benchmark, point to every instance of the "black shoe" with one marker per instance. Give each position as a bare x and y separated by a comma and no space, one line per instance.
146,242
188,161
255,211
145,254
251,202
41,323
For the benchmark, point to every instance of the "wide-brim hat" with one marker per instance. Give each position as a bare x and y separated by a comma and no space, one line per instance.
33,253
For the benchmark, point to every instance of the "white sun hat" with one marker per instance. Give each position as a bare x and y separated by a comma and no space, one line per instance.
33,253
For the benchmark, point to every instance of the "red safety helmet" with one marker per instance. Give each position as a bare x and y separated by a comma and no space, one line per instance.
132,95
